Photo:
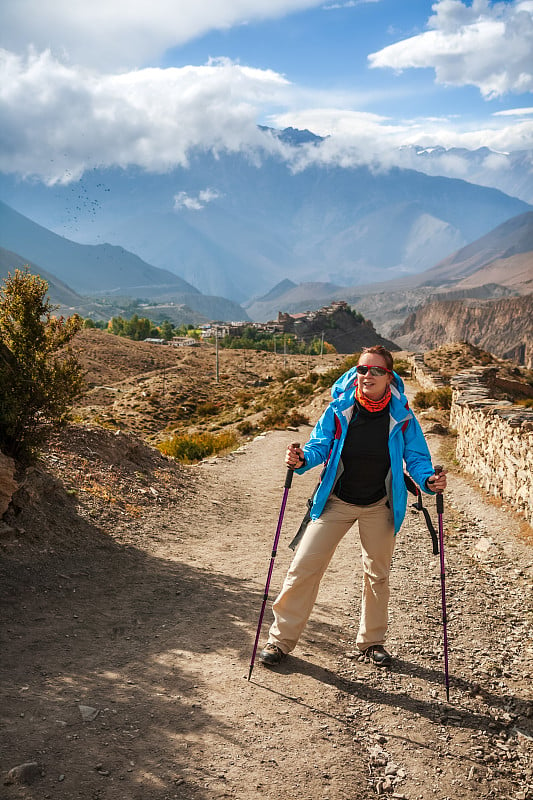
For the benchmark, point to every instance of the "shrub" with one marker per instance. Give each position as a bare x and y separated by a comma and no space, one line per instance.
402,367
243,397
207,409
303,388
279,418
328,378
39,376
435,398
285,375
189,448
296,418
246,427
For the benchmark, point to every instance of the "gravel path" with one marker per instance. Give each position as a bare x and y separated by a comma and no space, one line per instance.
153,628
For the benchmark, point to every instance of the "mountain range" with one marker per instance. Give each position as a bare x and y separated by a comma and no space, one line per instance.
512,172
238,238
498,264
105,271
234,226
482,293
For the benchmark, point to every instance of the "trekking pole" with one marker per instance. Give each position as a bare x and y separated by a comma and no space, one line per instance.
440,512
288,482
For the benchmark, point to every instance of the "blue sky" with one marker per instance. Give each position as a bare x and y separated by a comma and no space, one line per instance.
112,82
327,48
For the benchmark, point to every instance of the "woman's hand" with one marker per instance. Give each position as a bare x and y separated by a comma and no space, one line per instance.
294,457
437,482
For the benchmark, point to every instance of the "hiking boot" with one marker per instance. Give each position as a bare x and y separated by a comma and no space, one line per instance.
378,655
271,655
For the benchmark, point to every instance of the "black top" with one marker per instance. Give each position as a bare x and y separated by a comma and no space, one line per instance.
365,457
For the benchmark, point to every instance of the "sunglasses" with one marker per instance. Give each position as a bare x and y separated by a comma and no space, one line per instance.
377,372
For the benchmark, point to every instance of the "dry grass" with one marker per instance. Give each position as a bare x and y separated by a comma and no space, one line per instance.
191,448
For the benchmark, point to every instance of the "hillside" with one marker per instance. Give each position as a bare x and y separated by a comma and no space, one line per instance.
58,291
492,258
514,272
346,330
103,270
154,390
91,269
503,327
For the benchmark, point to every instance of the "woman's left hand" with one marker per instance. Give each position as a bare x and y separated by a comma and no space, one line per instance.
437,483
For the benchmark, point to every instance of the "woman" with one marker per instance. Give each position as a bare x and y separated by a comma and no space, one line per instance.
363,439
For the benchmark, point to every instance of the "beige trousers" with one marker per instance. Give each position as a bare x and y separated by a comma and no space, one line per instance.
294,604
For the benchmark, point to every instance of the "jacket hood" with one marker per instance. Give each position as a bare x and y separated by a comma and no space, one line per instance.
349,379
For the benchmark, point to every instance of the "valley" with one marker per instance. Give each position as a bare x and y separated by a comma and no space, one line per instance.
490,278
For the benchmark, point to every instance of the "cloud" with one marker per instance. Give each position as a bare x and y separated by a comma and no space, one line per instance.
195,203
436,146
111,34
362,137
346,4
486,44
514,112
58,121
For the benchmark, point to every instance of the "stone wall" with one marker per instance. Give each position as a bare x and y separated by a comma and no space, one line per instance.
422,374
494,437
494,440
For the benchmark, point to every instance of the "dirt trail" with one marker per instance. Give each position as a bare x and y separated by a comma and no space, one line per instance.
153,629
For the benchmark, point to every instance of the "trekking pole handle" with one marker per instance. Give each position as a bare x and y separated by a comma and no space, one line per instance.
290,470
440,502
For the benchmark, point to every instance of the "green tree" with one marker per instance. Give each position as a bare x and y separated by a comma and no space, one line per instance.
167,330
131,327
137,328
116,326
39,375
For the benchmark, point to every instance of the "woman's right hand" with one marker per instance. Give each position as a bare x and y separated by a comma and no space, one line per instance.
294,456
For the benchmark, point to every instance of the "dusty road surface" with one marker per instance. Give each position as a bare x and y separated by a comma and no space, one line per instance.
124,655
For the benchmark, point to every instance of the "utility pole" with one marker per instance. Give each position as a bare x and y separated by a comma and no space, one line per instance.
322,345
216,352
284,351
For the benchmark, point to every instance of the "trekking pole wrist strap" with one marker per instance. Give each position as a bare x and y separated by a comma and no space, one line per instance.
419,506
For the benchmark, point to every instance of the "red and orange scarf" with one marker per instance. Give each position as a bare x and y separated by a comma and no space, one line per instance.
372,405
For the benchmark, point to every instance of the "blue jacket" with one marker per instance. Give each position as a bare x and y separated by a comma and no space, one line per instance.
406,444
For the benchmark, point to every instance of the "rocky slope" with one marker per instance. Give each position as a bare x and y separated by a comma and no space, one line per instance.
504,327
501,246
